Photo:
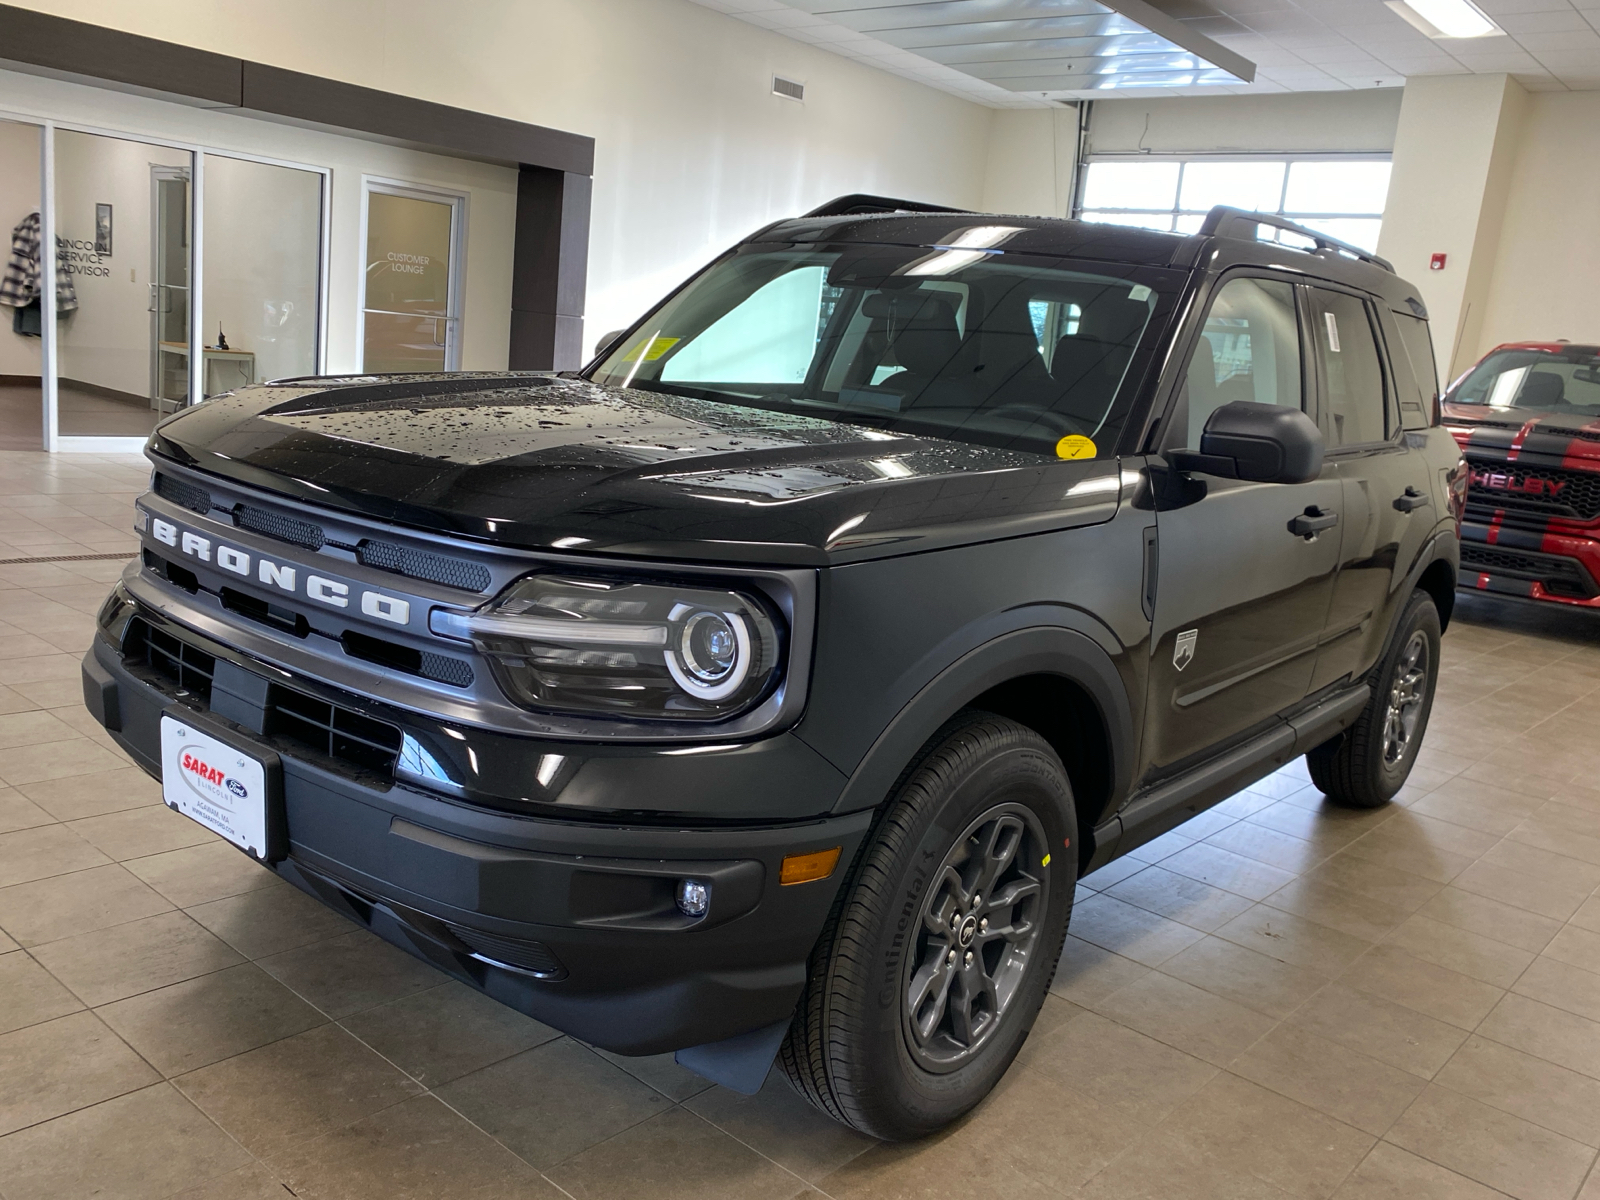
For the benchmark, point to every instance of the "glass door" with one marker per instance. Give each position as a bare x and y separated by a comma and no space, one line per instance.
125,225
21,307
262,273
411,293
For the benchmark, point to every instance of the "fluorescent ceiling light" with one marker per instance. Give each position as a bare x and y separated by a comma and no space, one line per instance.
1445,18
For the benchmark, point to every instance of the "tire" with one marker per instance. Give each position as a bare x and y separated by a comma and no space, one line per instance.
906,924
1364,766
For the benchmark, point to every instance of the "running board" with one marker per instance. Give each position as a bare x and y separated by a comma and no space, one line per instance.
1164,807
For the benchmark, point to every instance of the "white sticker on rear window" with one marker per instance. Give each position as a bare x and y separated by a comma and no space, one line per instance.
1138,292
1333,331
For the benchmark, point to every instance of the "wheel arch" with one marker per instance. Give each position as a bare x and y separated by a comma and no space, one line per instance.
1057,682
1439,581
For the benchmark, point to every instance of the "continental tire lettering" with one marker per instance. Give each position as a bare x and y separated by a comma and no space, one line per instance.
327,591
271,573
891,962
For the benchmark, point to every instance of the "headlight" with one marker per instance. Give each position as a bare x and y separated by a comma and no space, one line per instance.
632,649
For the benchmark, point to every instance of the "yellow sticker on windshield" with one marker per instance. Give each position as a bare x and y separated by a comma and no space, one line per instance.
653,349
1075,445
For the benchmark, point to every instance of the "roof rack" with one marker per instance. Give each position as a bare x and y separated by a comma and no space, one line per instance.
859,203
1223,221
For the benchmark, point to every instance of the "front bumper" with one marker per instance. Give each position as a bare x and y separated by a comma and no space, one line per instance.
571,922
1553,566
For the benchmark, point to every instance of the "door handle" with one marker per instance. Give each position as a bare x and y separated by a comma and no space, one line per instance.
1409,500
1312,522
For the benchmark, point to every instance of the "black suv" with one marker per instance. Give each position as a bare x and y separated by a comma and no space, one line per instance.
762,690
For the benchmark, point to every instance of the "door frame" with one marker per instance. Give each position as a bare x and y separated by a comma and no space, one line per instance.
454,317
52,439
160,173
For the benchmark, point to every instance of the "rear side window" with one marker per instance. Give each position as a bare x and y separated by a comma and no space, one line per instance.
1249,349
1417,346
1354,407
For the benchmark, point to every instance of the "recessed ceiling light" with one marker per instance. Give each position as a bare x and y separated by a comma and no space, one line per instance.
1445,18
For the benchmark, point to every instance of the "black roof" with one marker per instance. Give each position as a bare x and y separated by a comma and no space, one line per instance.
1227,239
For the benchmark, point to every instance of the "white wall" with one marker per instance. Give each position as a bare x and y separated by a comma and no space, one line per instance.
1545,282
693,150
1029,166
1452,168
1297,122
19,196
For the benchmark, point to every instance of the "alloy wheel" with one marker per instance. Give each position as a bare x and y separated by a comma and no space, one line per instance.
977,934
1407,689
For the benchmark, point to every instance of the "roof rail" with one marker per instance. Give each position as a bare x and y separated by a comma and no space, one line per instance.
1223,221
861,203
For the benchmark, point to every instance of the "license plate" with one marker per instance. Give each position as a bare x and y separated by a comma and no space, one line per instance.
216,784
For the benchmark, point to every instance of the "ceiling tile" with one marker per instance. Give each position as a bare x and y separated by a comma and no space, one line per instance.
1518,24
1297,45
1538,43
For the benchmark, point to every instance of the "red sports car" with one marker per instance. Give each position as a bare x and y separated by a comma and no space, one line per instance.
1528,421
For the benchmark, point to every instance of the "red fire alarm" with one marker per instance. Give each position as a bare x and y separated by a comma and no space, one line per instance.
1436,263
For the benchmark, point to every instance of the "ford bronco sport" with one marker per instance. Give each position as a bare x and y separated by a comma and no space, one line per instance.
761,691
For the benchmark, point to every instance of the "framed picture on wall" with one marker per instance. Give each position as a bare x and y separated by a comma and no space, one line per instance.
102,229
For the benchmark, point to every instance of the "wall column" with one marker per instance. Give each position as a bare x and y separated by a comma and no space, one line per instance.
1453,157
550,272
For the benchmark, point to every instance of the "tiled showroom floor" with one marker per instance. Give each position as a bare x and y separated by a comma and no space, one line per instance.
1280,999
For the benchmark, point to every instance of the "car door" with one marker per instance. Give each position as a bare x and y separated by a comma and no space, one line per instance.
1387,509
1241,599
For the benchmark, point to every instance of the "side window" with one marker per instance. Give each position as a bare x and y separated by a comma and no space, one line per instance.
1249,349
770,338
1418,348
1354,410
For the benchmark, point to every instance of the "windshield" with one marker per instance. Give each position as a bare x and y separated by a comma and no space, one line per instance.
950,342
1533,379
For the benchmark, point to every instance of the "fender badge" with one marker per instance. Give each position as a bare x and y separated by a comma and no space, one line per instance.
1183,649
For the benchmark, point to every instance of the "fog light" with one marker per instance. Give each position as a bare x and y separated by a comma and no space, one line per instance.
694,897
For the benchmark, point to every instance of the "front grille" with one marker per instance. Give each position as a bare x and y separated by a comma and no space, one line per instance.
1559,576
530,956
1561,493
187,666
331,731
439,667
327,730
187,495
452,572
276,525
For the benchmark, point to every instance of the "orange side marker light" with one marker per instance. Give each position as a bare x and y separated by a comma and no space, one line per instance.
807,868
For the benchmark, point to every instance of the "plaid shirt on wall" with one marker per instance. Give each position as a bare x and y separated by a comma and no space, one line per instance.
20,284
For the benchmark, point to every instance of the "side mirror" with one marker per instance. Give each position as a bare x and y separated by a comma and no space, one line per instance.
1261,443
607,340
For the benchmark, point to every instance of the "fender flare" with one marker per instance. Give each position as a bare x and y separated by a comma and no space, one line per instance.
1035,650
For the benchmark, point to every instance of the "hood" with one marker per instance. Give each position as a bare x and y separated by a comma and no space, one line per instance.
544,462
1569,439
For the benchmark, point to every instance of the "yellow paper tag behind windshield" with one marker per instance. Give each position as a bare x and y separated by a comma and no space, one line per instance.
651,350
1075,445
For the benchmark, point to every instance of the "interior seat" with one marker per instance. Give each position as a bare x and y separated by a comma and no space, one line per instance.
922,335
1088,365
1542,389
